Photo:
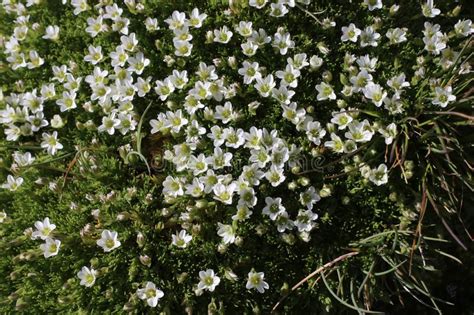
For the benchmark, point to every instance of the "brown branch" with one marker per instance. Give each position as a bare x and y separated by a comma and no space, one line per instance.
314,273
453,113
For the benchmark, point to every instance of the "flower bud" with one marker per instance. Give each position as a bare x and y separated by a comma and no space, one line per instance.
341,103
303,181
394,9
232,62
239,241
288,238
296,169
209,37
345,200
123,216
327,76
292,185
201,203
145,260
323,48
222,248
182,277
140,239
230,275
326,191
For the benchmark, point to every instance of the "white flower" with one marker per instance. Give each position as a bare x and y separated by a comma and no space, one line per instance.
359,131
12,183
150,293
119,57
68,101
50,142
463,28
369,37
43,229
398,82
179,79
350,33
373,4
95,26
151,24
181,239
108,241
396,35
176,21
443,96
95,55
289,77
138,63
208,280
255,281
164,88
304,220
249,48
389,133
367,63
253,138
176,120
173,187
325,92
314,131
375,93
342,119
51,32
87,276
109,123
275,175
3,216
282,42
278,9
50,247
309,197
258,3
225,113
265,86
243,213
222,35
234,138
284,223
224,193
250,71
315,62
434,44
244,28
260,38
196,18
252,174
273,208
129,42
196,188
283,95
182,48
227,232
79,6
379,175
336,143
428,9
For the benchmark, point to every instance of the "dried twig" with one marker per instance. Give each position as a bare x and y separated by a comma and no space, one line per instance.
314,273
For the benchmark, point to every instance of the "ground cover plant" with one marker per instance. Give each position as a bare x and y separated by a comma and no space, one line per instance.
236,157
